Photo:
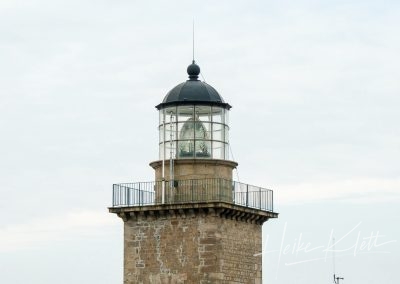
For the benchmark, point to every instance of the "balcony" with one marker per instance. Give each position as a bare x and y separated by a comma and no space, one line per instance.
140,194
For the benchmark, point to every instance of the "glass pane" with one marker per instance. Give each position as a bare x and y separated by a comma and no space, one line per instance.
170,131
226,134
203,113
170,114
217,114
217,133
203,149
185,113
161,116
167,148
186,149
226,152
170,149
161,151
202,130
227,117
161,133
218,150
186,130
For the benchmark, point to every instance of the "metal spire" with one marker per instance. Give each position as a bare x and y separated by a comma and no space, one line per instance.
193,42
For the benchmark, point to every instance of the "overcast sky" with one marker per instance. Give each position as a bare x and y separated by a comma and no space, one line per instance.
314,87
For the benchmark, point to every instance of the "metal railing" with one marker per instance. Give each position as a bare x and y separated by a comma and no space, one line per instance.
192,191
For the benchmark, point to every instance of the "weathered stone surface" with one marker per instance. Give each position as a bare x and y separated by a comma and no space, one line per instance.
196,169
203,240
201,248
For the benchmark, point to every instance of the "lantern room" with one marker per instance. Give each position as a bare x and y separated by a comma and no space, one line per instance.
193,121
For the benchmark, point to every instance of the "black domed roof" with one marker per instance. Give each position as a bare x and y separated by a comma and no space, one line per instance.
193,91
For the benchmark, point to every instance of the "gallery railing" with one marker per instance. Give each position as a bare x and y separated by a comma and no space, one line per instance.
192,191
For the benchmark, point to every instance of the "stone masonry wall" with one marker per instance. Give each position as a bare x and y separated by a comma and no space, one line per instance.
191,249
195,169
188,169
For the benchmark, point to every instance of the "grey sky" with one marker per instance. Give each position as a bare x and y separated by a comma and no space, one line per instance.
315,92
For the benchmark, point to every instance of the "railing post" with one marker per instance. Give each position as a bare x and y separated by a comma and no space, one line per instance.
140,196
163,191
125,196
120,196
219,192
247,195
128,195
272,202
259,190
113,195
233,192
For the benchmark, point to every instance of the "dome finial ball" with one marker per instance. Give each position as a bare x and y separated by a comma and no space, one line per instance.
193,71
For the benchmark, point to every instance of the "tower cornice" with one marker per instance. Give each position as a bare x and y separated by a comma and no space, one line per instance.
190,210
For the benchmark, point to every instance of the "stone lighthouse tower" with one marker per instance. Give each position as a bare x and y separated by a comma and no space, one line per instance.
193,223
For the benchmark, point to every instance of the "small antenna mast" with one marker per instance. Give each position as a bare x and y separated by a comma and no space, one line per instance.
336,279
193,41
193,61
333,257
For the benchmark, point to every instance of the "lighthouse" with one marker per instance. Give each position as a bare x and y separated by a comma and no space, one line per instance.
193,223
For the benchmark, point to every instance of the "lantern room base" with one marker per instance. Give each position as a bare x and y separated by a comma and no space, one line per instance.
185,169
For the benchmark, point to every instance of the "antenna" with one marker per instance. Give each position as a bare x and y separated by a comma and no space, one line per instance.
193,41
336,279
193,61
333,257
